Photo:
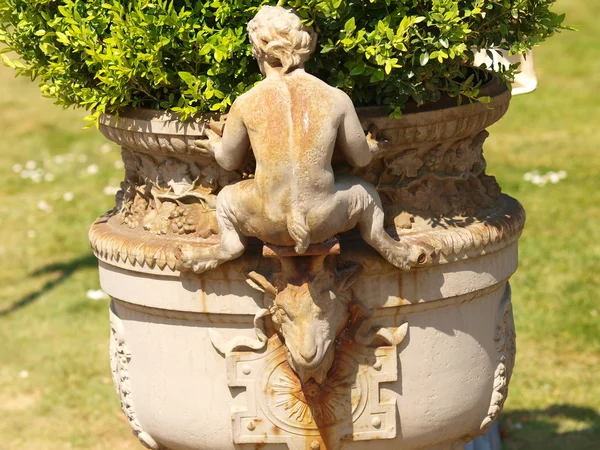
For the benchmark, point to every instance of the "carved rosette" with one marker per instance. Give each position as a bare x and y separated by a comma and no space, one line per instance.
119,361
505,338
307,407
347,406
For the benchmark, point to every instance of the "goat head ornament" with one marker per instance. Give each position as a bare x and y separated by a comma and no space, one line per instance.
310,310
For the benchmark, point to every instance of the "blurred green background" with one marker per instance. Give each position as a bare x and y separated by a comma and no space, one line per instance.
55,386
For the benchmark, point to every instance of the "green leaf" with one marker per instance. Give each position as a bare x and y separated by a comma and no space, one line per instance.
424,58
378,75
188,78
358,69
7,62
62,38
350,25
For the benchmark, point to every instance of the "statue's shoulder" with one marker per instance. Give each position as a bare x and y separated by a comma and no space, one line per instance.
310,78
258,91
243,98
342,100
245,101
323,89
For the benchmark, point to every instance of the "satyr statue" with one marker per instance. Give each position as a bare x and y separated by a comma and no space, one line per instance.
293,122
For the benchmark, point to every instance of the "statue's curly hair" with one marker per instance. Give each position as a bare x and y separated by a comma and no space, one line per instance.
279,34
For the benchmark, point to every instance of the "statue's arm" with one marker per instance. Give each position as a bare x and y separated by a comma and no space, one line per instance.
230,152
351,138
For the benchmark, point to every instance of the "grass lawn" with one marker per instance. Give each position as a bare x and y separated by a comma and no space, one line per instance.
55,386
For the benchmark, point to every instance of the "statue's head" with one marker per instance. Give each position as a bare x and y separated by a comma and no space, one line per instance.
279,38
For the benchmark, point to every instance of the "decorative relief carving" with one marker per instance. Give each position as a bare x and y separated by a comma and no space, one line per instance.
471,236
156,132
462,237
166,195
420,128
505,338
117,245
311,405
440,190
318,375
346,406
446,179
309,311
283,409
119,360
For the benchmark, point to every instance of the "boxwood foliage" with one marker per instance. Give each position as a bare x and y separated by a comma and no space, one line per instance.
193,56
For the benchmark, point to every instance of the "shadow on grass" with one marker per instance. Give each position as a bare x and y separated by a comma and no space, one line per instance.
64,270
558,427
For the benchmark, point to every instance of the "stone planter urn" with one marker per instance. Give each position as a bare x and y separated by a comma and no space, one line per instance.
342,284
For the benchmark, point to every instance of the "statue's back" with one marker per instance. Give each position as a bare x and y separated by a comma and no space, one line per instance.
292,122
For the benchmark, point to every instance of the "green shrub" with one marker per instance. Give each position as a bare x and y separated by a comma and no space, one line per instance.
193,56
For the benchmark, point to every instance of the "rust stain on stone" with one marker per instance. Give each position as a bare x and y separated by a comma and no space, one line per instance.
400,285
203,307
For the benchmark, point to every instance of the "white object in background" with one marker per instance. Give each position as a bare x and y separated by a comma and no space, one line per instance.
525,80
96,294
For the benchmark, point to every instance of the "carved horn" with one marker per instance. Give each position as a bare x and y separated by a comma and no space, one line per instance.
260,282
